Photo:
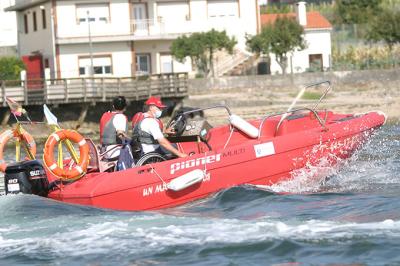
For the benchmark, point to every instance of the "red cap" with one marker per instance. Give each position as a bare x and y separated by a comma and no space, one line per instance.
155,101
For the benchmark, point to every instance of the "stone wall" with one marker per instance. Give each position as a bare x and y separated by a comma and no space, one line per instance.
367,78
255,96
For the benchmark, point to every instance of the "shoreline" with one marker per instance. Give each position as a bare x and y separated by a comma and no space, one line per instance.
255,103
380,92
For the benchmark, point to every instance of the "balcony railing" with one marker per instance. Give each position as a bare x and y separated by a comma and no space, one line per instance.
156,27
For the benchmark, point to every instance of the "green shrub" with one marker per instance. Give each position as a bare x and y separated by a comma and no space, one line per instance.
10,68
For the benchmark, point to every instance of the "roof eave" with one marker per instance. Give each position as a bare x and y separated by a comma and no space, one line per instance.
23,6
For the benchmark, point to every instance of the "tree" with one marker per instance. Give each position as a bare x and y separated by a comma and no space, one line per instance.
201,47
385,27
356,11
10,68
280,38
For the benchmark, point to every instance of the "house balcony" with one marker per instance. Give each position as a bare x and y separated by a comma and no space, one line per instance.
152,29
158,28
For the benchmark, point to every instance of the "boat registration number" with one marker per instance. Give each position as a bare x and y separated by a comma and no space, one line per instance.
264,149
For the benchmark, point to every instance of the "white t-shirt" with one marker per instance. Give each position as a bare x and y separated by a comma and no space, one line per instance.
119,122
151,126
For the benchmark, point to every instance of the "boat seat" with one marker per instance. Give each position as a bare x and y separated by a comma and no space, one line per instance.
93,165
97,161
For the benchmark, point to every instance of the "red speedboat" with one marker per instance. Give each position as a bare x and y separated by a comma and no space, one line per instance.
263,151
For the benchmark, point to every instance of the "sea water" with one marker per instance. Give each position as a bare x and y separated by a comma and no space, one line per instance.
353,218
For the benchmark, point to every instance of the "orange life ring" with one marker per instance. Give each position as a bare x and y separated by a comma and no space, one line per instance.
79,169
9,134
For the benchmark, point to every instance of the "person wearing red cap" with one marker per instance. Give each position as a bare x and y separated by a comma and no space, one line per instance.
150,132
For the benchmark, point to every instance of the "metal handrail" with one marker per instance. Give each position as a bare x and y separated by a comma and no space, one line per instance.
322,123
208,108
301,92
325,92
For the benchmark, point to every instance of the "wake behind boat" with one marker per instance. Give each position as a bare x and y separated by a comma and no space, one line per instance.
262,151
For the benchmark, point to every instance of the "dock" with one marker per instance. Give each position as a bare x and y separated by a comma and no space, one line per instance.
83,93
93,90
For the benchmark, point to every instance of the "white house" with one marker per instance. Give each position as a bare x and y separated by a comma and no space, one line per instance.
8,28
317,34
122,37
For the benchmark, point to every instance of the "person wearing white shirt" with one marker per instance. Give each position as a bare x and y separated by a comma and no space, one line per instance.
150,132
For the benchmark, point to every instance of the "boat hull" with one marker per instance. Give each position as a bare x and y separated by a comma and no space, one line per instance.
271,159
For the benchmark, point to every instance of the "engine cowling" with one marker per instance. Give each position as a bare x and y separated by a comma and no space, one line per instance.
27,177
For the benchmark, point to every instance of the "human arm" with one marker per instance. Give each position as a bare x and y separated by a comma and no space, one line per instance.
154,129
167,145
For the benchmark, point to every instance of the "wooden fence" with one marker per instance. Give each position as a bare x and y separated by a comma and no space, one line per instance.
81,90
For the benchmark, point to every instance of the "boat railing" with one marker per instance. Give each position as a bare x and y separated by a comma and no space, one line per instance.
300,94
320,121
207,108
327,90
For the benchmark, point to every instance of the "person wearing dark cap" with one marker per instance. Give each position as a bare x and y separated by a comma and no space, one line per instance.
150,130
114,125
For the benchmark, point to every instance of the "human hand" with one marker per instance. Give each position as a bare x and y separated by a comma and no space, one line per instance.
182,155
170,131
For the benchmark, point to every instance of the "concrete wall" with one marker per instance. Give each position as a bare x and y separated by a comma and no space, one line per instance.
368,78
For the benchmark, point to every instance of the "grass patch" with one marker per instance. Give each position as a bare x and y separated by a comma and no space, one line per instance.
309,95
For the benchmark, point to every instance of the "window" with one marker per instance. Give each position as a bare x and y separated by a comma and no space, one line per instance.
223,8
316,62
172,12
101,66
34,21
143,64
166,63
26,23
44,18
98,13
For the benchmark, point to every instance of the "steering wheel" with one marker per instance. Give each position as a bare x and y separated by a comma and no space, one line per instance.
178,123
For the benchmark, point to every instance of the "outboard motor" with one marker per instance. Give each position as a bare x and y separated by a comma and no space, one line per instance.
27,177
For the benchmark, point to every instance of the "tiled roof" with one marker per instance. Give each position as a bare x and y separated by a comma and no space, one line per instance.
314,20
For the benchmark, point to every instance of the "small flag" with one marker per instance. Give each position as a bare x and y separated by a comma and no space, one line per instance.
15,107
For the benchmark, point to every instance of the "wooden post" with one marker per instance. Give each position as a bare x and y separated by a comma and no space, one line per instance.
26,100
85,89
103,90
5,119
137,88
176,83
65,90
149,86
3,92
45,93
119,86
82,116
